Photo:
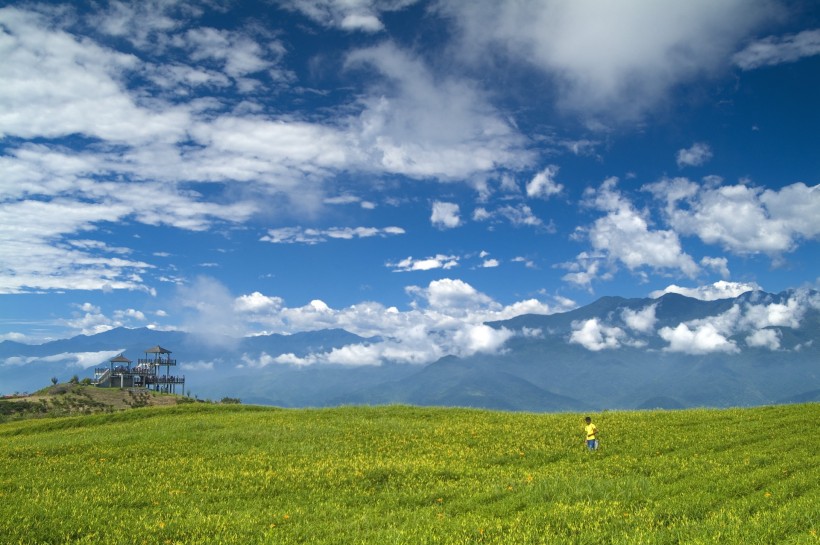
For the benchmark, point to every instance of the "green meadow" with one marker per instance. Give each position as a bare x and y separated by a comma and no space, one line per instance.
235,474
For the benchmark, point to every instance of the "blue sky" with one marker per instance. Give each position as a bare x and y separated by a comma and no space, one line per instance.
399,168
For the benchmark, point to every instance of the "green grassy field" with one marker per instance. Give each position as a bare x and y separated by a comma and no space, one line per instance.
239,474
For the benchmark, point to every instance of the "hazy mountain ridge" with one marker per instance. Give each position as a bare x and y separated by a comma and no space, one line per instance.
545,366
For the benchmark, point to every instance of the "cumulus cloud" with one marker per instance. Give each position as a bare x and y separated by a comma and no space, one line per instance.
452,297
700,339
257,302
695,156
481,338
740,218
438,261
625,236
764,338
593,335
779,49
718,264
719,290
448,316
445,215
543,184
642,321
786,314
755,320
89,319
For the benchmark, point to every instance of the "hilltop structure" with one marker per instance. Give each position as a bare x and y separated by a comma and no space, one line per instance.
146,374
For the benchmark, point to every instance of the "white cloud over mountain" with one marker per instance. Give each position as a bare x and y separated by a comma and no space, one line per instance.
142,142
753,321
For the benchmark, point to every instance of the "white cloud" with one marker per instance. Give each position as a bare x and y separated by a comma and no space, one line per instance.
695,156
78,360
129,314
257,302
350,15
752,318
764,338
16,337
700,339
453,297
642,321
594,335
740,218
624,235
209,311
446,317
91,320
143,23
585,269
367,23
788,314
543,184
142,140
438,261
481,214
519,215
197,365
445,215
721,289
529,263
292,235
423,125
56,85
616,59
490,263
481,338
237,54
51,262
718,264
777,50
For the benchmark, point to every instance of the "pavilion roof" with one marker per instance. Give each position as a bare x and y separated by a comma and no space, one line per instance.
120,359
157,350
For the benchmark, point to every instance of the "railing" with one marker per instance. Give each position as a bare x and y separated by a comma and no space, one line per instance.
143,361
163,380
102,374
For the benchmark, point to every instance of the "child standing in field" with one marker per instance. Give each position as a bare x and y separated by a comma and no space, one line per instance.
592,434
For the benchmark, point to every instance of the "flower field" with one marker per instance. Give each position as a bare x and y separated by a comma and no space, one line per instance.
246,475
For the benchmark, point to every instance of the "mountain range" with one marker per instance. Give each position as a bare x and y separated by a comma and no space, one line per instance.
669,352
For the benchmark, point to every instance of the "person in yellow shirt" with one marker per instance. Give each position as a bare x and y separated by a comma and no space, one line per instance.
592,434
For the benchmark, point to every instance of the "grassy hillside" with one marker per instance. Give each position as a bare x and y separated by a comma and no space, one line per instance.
75,398
238,474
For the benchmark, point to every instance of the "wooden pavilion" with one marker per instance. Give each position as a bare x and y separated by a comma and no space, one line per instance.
146,374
